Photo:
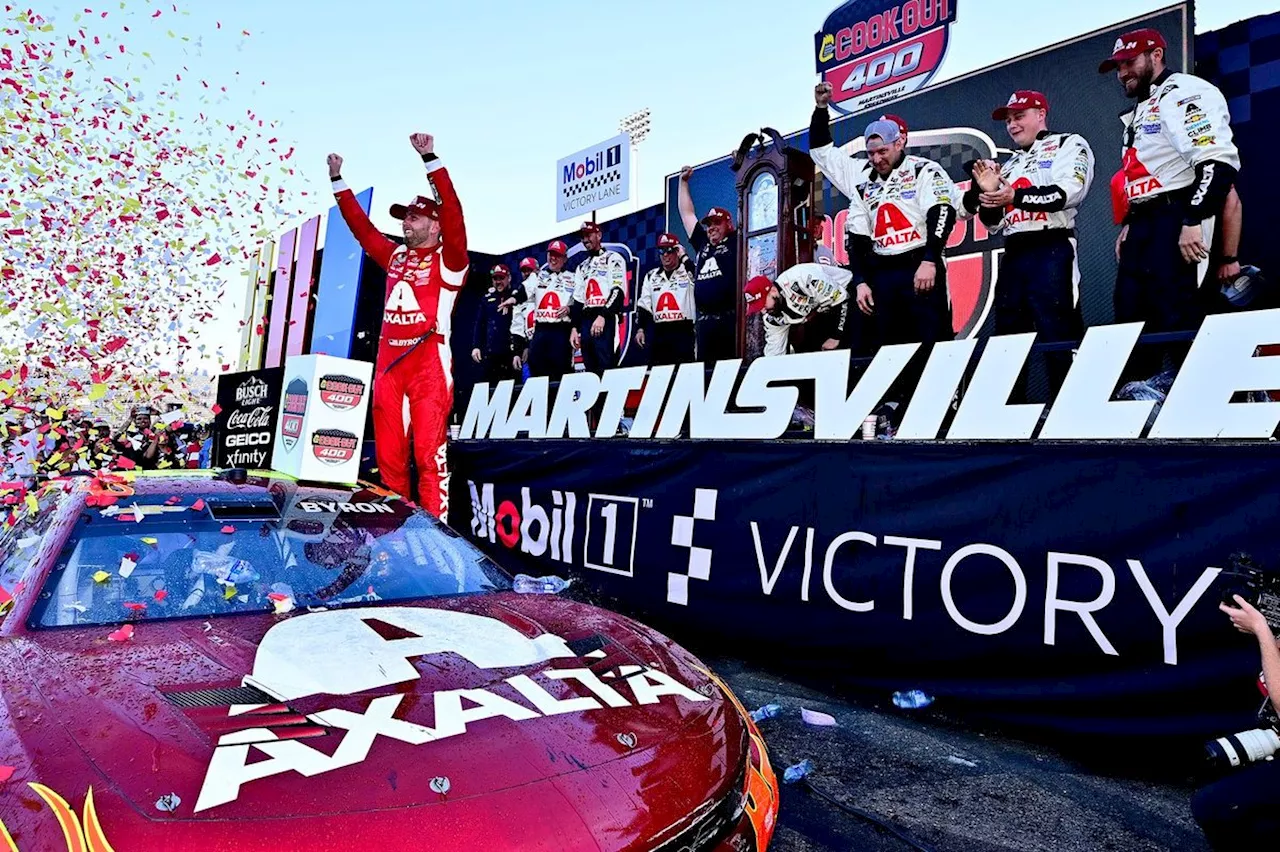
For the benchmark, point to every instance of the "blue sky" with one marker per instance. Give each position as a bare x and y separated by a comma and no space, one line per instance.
508,88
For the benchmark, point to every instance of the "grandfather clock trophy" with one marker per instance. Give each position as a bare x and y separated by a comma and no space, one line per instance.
773,183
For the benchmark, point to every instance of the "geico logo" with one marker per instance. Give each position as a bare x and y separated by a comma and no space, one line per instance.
251,439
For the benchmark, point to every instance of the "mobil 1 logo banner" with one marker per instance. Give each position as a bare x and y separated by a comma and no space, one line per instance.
876,51
560,528
248,406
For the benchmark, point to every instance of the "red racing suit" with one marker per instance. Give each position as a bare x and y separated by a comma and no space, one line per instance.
413,380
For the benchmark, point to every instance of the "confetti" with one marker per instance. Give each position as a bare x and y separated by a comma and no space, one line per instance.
161,595
815,717
197,506
6,772
135,607
228,530
282,603
124,634
151,540
101,576
170,801
132,205
127,565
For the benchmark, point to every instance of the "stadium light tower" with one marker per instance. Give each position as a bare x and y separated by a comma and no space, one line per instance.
637,127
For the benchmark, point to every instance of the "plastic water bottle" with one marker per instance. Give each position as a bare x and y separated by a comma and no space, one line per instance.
768,711
797,772
913,700
526,585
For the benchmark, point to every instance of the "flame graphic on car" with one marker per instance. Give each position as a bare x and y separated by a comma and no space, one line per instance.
86,838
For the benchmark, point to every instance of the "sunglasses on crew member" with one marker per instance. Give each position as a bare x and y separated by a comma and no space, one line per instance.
666,251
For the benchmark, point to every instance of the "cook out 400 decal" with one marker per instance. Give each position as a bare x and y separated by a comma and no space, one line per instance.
339,653
876,51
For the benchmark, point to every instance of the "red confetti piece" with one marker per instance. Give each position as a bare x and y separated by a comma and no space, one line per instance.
197,506
124,634
228,529
6,772
135,607
161,595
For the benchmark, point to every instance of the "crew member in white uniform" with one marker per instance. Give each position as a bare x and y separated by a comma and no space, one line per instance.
1032,199
805,292
1179,164
666,309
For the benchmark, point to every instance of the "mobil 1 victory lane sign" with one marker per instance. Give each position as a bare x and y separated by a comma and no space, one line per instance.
593,178
875,51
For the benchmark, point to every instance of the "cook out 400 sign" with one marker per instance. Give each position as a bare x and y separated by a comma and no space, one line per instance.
875,51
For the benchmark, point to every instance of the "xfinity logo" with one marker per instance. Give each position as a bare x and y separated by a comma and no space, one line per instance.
759,406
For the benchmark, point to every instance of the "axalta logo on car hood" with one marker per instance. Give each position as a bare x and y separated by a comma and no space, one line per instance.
341,653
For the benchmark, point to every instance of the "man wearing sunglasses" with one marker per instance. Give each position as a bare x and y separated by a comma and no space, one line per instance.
666,306
1179,164
600,280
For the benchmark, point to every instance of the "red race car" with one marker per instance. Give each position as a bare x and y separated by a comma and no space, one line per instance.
245,662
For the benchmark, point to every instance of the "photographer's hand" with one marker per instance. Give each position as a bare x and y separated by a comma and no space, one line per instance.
1246,619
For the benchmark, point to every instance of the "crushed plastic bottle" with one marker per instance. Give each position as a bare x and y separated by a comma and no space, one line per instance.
768,711
913,700
551,585
795,773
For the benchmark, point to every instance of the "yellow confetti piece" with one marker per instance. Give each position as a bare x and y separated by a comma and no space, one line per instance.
146,539
101,576
229,592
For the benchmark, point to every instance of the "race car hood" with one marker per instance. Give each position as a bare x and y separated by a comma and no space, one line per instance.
316,713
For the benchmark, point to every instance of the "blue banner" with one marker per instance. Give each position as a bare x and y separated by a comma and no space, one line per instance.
1071,588
338,289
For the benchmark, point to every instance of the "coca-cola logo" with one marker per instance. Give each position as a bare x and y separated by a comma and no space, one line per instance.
252,391
257,418
341,393
334,446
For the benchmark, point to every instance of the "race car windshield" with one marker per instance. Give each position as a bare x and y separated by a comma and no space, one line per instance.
187,565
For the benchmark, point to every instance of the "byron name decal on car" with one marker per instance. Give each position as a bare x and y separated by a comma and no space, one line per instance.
339,653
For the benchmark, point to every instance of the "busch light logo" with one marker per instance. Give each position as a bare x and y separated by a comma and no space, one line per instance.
334,446
252,391
293,412
341,393
876,51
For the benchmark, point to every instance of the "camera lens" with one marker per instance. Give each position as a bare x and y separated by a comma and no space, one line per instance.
1242,748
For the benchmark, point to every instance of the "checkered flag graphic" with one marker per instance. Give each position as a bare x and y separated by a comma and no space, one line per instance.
704,509
592,183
